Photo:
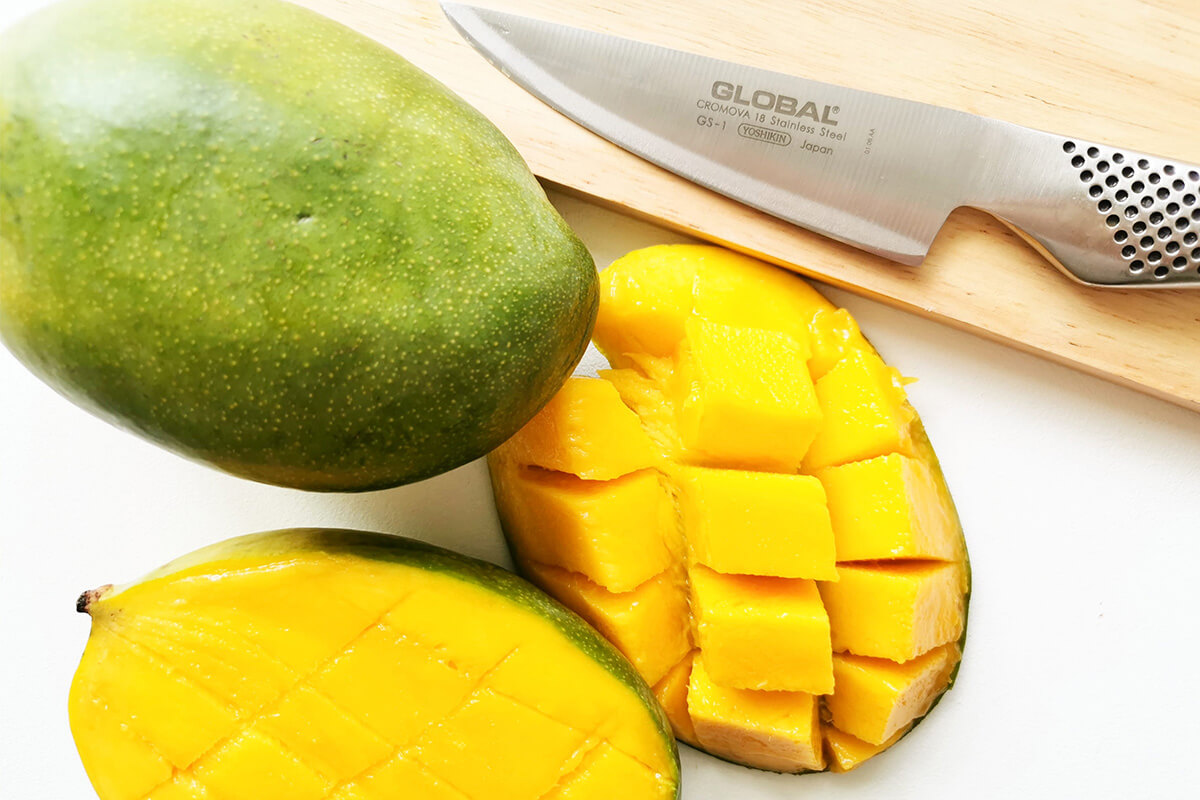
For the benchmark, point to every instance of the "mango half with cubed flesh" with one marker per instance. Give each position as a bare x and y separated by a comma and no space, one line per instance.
747,505
341,665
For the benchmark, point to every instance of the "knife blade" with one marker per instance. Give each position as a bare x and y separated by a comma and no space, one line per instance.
876,172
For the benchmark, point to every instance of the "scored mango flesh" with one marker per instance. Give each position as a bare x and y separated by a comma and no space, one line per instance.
807,604
335,665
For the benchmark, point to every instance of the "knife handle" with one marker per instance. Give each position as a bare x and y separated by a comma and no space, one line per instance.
1106,216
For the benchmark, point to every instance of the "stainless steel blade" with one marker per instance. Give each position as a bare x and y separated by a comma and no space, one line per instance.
876,172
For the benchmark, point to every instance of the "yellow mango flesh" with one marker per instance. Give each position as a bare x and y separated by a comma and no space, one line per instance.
814,518
756,523
744,397
769,730
445,749
671,692
896,611
198,720
649,624
649,399
603,774
398,777
305,718
103,738
834,334
372,677
878,698
584,430
414,682
646,305
762,633
864,410
845,752
648,295
181,787
580,525
889,507
737,290
252,765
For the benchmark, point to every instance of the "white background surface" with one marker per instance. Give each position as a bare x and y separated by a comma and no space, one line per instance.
1081,503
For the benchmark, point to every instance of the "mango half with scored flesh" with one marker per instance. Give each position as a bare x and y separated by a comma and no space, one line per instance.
341,665
748,506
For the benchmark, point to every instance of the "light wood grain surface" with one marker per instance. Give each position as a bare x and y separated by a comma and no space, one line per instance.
1124,72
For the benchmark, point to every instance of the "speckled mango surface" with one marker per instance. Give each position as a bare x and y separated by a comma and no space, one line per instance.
804,603
341,665
266,242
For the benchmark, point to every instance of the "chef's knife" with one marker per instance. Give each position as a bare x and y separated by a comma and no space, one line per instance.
875,172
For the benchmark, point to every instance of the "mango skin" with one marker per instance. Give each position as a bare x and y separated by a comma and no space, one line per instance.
268,243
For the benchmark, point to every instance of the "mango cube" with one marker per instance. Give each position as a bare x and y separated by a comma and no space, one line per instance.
874,699
745,397
671,693
890,507
756,523
896,611
584,430
769,730
619,533
762,633
650,624
865,412
846,752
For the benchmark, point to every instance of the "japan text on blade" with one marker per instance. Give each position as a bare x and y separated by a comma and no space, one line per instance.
872,171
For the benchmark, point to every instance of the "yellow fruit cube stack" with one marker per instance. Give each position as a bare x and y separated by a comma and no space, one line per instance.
749,436
598,532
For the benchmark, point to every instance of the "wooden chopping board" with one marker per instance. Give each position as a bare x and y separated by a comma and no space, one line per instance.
1125,73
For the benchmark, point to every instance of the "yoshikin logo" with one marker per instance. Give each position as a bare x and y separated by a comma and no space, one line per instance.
769,101
748,131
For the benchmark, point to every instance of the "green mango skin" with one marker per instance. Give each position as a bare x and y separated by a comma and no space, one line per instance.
269,243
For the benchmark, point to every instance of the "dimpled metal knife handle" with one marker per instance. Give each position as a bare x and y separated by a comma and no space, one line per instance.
1107,216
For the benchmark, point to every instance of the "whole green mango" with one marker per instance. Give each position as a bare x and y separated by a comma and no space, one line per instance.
267,242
